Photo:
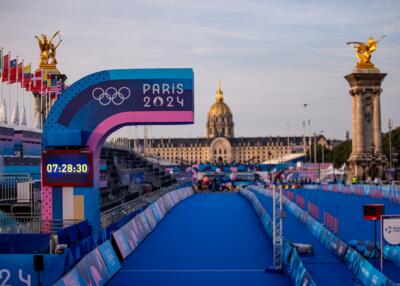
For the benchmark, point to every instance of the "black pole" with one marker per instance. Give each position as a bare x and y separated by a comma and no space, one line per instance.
375,246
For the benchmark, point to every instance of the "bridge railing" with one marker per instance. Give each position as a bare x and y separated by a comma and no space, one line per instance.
112,215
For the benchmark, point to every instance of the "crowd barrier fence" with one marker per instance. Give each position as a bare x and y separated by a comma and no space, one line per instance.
365,272
292,261
97,267
390,192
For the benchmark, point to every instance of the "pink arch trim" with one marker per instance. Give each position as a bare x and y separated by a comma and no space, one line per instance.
155,117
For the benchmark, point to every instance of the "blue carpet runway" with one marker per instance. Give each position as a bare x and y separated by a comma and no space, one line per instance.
208,239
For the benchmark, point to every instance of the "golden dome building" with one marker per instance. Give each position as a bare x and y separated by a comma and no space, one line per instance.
219,145
220,119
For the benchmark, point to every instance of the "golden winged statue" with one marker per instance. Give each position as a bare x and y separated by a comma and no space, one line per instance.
48,50
364,51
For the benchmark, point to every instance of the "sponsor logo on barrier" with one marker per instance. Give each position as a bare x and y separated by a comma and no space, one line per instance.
111,95
391,230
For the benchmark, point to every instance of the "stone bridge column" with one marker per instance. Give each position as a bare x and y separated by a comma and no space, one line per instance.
366,158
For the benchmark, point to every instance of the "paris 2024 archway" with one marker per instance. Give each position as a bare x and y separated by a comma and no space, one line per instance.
86,114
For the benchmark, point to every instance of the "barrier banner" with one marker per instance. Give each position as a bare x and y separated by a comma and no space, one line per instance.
132,234
370,276
151,220
137,234
161,204
139,228
338,247
287,252
297,268
156,211
109,257
72,278
392,253
143,225
122,243
353,260
307,280
93,269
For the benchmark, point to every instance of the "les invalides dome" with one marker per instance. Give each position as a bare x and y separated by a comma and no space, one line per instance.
220,119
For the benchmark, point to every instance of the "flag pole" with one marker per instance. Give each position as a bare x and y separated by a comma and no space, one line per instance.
16,87
2,71
29,105
22,83
9,85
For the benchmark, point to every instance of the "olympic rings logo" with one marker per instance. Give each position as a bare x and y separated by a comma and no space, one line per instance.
111,95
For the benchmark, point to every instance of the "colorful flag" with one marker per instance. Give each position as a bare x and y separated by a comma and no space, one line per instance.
19,72
45,82
26,77
13,71
1,60
56,86
6,67
36,84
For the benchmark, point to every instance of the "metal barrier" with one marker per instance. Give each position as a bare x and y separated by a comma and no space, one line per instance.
112,215
16,188
32,224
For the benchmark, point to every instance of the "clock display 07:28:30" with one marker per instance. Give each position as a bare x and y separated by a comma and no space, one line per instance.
67,168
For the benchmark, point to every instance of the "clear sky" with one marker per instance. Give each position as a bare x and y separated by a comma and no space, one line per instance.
271,56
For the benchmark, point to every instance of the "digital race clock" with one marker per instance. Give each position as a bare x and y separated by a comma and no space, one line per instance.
67,168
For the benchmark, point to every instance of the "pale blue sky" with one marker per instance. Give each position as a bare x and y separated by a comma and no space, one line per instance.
268,54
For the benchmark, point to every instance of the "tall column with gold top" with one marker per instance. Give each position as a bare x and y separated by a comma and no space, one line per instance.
48,67
366,159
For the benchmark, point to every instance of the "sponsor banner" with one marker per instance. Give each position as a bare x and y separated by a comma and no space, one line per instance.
156,211
93,269
369,275
132,233
353,260
338,247
122,243
151,219
392,253
72,278
109,257
144,225
391,229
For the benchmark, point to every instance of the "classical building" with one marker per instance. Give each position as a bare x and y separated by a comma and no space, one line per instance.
220,145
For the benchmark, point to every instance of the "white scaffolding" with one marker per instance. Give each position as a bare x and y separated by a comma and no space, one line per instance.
277,227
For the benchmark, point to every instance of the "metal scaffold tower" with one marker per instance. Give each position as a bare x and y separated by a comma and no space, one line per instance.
277,227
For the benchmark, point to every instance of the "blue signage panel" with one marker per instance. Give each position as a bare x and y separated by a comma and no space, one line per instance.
69,168
109,257
93,269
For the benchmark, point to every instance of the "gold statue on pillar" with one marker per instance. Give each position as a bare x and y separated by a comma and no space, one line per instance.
364,51
48,50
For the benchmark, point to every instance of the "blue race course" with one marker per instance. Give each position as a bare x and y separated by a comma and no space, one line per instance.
349,209
324,267
208,239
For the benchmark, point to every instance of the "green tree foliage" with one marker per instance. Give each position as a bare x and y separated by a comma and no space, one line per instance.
395,145
341,153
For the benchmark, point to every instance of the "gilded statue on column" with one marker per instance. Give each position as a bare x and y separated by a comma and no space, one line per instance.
48,50
364,51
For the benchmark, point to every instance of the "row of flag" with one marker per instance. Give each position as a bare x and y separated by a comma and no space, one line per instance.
39,81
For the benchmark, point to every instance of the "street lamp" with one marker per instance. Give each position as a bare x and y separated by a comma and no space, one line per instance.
323,148
315,147
390,143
